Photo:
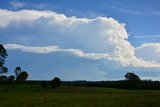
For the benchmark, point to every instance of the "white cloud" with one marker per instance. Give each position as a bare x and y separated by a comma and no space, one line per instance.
155,47
46,49
149,51
127,61
100,37
50,49
17,4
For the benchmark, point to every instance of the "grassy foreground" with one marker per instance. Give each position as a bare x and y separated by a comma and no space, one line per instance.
71,96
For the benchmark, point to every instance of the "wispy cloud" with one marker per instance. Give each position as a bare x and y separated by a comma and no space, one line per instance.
17,4
129,11
86,14
133,10
51,49
154,12
125,10
150,36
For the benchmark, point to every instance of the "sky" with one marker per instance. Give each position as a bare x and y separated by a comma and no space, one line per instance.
82,39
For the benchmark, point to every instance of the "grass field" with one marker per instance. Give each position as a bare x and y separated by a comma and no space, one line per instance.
74,96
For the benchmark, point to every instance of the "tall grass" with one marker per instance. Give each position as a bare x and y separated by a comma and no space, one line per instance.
71,96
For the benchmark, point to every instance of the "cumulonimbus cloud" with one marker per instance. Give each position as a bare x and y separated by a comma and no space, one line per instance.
96,38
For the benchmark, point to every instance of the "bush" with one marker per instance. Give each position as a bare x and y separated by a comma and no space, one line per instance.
56,82
22,77
11,79
3,80
44,84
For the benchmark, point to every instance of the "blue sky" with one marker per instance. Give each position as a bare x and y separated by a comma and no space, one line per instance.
87,55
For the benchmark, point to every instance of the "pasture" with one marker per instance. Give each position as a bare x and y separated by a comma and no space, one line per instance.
32,95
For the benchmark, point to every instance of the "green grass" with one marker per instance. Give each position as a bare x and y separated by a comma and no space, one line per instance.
73,96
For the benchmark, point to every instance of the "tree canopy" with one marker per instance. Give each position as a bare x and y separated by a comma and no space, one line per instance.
56,82
132,77
22,76
17,71
3,55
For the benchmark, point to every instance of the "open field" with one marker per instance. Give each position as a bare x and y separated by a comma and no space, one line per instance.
75,96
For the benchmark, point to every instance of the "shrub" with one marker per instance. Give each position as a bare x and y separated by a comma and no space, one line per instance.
56,82
44,84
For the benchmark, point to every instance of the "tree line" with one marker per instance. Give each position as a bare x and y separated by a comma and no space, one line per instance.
132,81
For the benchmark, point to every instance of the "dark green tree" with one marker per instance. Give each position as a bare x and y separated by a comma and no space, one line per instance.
132,77
56,82
3,78
11,79
17,71
44,84
4,70
3,55
22,77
